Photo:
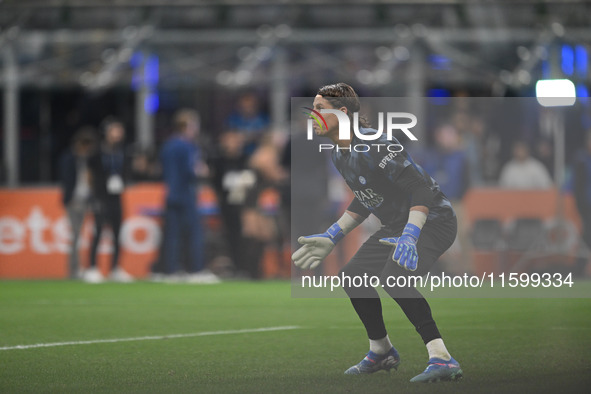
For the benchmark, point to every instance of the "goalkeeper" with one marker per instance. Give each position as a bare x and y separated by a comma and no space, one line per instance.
419,225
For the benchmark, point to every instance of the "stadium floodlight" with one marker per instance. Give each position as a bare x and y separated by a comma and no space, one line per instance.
555,92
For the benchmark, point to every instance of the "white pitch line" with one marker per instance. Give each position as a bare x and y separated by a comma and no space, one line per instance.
151,338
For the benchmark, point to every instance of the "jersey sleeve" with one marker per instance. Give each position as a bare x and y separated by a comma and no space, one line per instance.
401,171
414,184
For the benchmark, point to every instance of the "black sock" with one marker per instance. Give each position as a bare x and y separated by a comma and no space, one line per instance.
370,313
417,310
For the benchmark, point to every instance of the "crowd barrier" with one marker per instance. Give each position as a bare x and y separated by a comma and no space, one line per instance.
35,233
521,231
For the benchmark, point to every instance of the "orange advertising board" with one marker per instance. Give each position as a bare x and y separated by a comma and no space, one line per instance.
35,233
506,205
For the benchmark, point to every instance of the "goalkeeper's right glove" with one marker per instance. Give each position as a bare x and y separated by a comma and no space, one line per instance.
316,247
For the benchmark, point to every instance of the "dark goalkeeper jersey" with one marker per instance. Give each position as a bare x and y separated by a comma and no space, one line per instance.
379,180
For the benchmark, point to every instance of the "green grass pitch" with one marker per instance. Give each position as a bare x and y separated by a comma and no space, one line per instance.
504,345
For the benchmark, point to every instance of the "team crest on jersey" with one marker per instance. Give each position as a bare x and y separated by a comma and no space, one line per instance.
362,180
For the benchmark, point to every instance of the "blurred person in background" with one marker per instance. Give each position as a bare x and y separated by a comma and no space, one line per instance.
523,171
231,179
249,120
182,168
582,191
260,217
471,131
76,184
310,180
545,154
144,165
110,168
448,163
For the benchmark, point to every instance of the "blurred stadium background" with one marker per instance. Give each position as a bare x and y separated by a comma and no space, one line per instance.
67,64
71,64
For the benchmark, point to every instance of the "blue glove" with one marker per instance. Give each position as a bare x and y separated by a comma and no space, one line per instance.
405,254
316,247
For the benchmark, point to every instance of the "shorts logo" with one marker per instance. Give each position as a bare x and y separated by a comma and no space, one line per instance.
362,180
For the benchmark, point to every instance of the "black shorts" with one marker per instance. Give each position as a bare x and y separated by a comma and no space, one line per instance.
375,259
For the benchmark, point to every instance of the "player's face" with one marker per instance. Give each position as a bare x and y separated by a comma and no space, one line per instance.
331,120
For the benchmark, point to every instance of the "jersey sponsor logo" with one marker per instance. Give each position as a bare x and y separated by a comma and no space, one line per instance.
362,180
386,159
368,198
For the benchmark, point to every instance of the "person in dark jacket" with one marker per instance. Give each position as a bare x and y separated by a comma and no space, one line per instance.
110,169
76,187
232,180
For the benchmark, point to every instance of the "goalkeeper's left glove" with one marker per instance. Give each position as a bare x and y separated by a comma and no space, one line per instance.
405,252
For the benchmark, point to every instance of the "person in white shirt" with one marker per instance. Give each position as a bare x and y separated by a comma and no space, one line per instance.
524,171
